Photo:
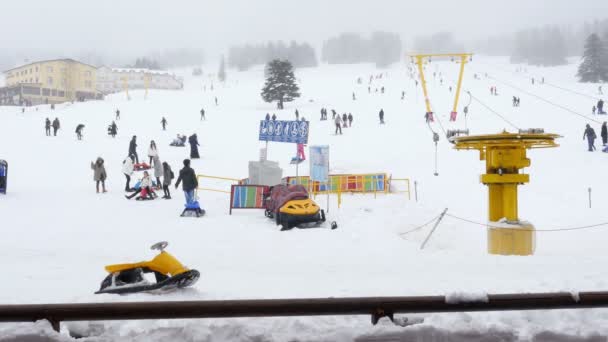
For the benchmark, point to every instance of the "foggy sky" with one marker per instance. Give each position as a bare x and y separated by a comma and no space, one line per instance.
126,26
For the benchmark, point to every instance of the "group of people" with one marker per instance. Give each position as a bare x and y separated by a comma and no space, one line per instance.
599,109
47,126
342,121
145,187
515,101
590,135
493,90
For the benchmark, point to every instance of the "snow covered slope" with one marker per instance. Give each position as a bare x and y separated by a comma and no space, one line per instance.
57,233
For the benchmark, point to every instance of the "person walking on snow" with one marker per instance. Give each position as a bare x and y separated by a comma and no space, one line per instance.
152,151
338,123
297,115
113,129
590,135
56,126
117,115
99,174
164,123
203,114
344,120
47,127
158,172
593,110
127,170
350,119
274,117
267,118
133,149
300,152
193,141
604,134
600,107
79,129
381,115
190,183
167,178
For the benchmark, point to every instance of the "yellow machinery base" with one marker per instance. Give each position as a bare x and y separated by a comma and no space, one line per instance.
513,239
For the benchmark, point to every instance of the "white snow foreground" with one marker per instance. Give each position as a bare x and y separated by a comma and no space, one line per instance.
58,234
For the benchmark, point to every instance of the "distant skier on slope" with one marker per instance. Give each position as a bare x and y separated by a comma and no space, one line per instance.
163,122
381,115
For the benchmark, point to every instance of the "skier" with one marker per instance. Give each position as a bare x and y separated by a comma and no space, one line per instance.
338,123
344,120
297,115
127,170
113,129
590,135
152,151
193,141
267,118
117,114
79,129
350,119
167,178
99,174
158,172
56,126
203,114
164,123
47,127
188,176
604,134
600,107
381,115
133,149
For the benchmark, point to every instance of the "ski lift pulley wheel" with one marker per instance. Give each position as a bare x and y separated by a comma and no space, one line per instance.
160,246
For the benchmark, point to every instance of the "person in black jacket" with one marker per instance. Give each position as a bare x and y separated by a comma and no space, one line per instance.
193,141
590,135
133,149
604,134
190,183
381,115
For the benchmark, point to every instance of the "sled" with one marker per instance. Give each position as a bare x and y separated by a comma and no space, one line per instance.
193,210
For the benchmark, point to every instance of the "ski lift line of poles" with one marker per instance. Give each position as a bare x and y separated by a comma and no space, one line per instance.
493,111
545,100
547,83
590,226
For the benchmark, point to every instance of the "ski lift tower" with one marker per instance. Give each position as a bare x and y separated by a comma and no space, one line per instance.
505,155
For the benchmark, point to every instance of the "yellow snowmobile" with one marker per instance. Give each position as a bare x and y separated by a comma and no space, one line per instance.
168,271
291,206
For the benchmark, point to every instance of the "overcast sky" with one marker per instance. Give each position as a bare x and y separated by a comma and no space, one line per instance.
132,25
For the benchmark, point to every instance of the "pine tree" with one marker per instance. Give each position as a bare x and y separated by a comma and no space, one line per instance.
594,68
221,75
280,83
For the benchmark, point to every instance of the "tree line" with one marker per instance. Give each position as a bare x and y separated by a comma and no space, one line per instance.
381,48
301,55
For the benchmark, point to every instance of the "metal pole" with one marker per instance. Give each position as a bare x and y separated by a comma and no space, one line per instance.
589,197
416,191
434,227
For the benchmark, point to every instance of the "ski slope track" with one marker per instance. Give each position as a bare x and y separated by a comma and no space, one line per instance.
58,234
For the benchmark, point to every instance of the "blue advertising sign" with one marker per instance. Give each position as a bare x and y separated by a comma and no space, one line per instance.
319,163
284,131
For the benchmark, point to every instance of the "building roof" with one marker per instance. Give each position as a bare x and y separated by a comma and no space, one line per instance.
49,60
136,70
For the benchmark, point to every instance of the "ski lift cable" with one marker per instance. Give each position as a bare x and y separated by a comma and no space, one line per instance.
493,111
545,100
547,83
601,224
419,227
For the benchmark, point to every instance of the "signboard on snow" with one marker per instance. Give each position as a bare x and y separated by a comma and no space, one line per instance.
319,163
284,131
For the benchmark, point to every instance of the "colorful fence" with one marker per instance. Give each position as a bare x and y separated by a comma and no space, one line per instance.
362,183
247,197
216,184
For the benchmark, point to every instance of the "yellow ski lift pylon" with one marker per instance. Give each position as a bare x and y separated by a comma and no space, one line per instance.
419,60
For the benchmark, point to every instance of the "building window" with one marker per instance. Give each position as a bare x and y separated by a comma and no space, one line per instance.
61,93
46,91
87,73
49,81
87,84
54,92
49,69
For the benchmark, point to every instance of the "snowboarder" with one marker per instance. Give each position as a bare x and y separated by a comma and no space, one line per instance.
133,149
164,123
117,115
152,151
188,177
99,174
127,170
47,127
56,126
158,172
350,119
193,141
113,129
604,134
344,120
167,178
381,115
590,135
338,123
600,107
79,129
203,114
